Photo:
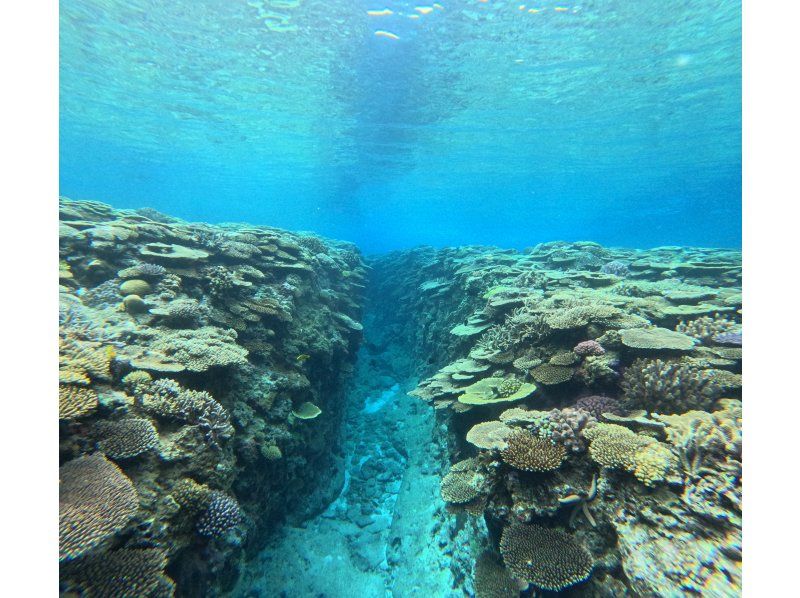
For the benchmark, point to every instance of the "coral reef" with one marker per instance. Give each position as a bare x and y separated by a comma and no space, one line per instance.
549,559
627,362
179,349
576,390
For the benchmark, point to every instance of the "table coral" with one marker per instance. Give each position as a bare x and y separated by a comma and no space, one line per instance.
547,558
96,500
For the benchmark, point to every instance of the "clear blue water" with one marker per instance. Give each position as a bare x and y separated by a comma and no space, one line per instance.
615,121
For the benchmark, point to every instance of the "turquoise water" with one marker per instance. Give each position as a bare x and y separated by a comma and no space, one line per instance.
466,122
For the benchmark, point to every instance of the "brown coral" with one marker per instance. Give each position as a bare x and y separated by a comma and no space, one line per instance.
546,558
530,453
123,573
75,401
126,438
96,500
492,580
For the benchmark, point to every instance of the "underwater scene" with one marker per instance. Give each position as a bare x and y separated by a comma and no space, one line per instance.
384,299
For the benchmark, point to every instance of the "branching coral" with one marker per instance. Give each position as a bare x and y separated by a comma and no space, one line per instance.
221,515
619,448
597,405
166,398
706,328
667,386
547,558
96,500
531,453
201,349
123,573
126,438
492,580
75,401
462,483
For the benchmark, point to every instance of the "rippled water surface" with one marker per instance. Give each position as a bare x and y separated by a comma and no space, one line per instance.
393,124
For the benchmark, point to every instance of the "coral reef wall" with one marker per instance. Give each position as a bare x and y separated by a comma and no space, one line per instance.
589,402
201,379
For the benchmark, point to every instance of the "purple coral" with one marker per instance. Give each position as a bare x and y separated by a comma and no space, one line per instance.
597,405
221,515
615,267
567,425
729,338
589,347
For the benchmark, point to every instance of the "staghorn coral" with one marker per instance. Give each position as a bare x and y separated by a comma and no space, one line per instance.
123,573
182,313
667,386
547,558
126,438
221,514
96,500
492,580
137,381
75,401
530,453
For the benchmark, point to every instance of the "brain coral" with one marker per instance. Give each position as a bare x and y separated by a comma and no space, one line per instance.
75,401
221,514
96,500
123,573
549,559
530,453
492,580
126,438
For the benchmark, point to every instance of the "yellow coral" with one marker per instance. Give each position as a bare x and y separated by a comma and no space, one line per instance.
75,401
652,463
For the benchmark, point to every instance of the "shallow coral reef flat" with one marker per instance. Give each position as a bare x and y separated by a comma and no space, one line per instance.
253,412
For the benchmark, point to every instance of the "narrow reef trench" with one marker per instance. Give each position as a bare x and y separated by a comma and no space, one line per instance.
383,534
251,412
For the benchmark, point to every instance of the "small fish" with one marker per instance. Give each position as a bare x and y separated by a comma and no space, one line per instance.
387,34
303,357
380,13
